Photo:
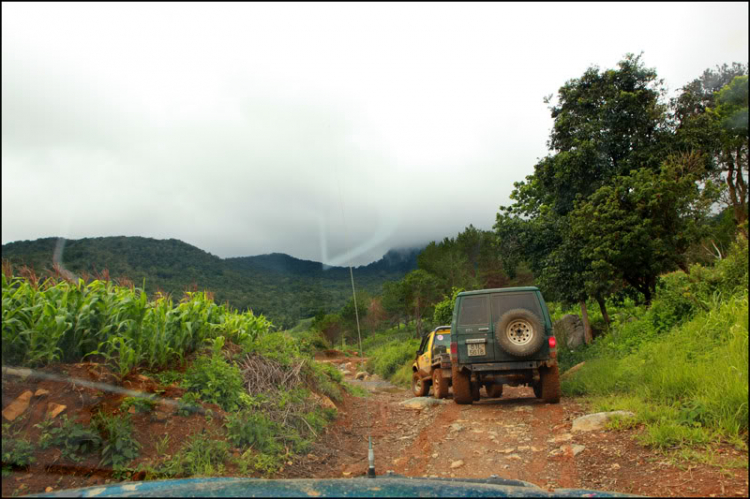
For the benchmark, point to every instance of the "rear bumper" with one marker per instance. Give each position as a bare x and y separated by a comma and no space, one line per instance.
509,366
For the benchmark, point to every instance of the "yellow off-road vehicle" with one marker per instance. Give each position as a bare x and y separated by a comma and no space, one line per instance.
432,366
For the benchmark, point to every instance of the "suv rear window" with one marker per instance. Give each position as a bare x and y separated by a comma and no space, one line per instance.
474,310
502,302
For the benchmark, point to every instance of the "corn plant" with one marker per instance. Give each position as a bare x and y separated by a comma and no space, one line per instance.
65,321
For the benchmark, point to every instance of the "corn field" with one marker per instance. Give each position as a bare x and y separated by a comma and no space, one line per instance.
63,321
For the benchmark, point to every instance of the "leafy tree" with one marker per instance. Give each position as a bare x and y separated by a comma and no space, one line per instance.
443,314
394,300
349,314
731,113
421,293
446,262
641,225
606,123
710,116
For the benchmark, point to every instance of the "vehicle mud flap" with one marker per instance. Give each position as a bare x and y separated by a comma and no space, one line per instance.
475,387
550,383
537,389
461,385
439,384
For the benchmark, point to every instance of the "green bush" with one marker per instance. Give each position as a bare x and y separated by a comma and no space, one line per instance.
17,452
325,379
311,342
75,440
166,377
279,346
399,333
199,456
141,404
120,447
189,404
215,381
699,369
388,358
253,429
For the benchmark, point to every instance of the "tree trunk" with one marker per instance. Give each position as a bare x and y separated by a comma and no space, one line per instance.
419,322
588,335
603,306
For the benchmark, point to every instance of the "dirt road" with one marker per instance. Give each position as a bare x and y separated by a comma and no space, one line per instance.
516,437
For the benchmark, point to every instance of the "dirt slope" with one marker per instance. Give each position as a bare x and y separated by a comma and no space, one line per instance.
516,437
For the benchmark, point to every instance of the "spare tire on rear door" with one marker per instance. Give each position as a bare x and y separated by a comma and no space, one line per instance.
519,332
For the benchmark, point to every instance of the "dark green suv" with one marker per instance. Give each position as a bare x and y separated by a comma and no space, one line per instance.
503,337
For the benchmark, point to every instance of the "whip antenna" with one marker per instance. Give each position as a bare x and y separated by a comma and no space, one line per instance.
370,452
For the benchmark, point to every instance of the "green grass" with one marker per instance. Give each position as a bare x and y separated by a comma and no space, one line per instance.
687,385
682,367
201,455
387,359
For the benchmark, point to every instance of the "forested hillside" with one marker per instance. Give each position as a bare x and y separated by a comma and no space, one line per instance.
283,288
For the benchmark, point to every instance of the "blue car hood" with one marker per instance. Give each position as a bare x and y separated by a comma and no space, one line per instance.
381,486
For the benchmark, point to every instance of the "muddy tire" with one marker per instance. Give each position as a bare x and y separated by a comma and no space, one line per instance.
550,383
439,384
418,386
519,332
475,395
461,386
494,390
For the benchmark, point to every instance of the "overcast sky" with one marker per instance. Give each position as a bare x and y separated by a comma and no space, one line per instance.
305,129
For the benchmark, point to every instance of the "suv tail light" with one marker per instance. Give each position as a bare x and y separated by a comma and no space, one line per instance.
552,342
454,351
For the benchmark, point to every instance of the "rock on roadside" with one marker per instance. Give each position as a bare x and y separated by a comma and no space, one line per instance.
567,374
18,406
421,402
53,410
598,420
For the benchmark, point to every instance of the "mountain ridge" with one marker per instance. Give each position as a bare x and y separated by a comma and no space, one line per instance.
280,286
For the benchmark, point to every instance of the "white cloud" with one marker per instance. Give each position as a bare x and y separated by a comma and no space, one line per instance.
235,126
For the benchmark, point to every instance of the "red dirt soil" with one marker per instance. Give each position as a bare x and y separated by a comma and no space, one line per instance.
511,437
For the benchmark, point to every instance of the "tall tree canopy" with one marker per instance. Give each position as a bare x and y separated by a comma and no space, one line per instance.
606,123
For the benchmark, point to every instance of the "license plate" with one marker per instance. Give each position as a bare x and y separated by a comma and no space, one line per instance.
476,349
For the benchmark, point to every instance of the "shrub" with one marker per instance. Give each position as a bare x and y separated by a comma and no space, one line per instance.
17,452
311,342
215,381
199,456
75,440
387,359
120,447
325,379
141,404
280,347
189,404
253,429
